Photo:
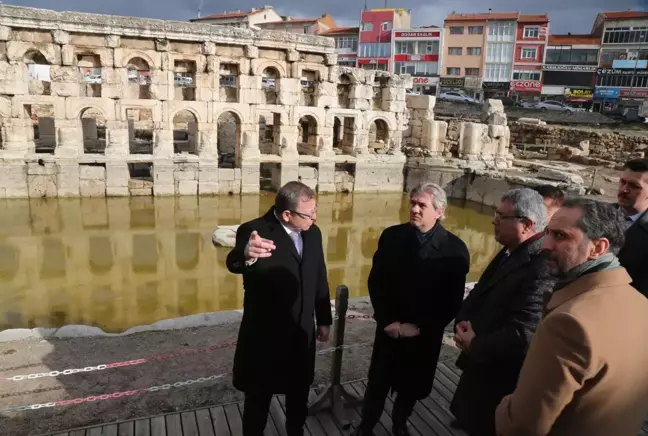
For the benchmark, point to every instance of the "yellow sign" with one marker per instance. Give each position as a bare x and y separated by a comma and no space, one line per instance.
578,93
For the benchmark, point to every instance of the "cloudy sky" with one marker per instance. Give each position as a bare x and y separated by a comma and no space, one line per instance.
574,16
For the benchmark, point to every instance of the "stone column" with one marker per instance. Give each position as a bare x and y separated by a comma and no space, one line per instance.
117,138
117,177
434,133
471,140
208,141
162,140
70,138
18,135
288,134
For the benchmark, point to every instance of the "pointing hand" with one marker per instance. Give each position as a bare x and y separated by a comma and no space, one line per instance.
258,247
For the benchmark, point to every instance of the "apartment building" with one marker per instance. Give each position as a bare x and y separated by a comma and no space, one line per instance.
376,25
417,52
308,26
569,70
346,44
237,18
478,52
622,77
532,33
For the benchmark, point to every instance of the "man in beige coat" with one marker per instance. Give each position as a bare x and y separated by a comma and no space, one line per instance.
586,369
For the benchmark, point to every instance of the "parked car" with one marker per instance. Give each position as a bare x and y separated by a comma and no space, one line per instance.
553,105
457,96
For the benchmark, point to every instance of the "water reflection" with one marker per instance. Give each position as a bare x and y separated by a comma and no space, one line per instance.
120,262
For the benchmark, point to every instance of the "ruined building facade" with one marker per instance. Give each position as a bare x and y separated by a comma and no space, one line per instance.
94,105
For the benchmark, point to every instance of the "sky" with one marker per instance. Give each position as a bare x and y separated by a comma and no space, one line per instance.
575,16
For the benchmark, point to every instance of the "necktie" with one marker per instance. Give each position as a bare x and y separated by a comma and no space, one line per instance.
297,240
629,222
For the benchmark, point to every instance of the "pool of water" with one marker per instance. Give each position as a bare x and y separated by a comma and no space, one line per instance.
121,262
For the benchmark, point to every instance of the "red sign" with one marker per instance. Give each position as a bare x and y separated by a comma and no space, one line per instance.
416,58
421,80
427,34
634,93
526,85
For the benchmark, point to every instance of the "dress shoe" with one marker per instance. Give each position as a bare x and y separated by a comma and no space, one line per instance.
400,430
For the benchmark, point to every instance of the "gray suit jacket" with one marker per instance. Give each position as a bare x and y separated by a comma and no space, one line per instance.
634,254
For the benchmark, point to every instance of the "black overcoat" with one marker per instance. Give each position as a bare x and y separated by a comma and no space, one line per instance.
504,308
285,297
634,254
419,284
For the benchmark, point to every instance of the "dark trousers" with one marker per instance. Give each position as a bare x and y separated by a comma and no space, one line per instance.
374,404
257,404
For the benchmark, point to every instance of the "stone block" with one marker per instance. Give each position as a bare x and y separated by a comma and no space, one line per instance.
92,188
226,174
117,191
207,188
117,175
42,186
420,102
187,187
91,172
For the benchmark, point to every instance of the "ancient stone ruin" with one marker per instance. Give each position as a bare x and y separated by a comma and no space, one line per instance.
94,105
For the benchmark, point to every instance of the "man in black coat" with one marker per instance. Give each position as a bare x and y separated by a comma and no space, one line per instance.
501,313
633,200
284,275
416,285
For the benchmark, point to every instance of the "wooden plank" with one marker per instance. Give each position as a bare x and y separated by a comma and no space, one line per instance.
278,416
110,430
204,421
383,427
311,426
158,426
450,374
173,425
234,419
221,428
189,424
389,407
96,431
325,420
143,427
126,428
78,433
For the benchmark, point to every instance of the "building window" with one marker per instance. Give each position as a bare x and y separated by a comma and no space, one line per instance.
375,50
622,81
625,35
532,32
529,53
476,30
453,71
387,25
454,51
427,69
367,26
499,52
417,47
526,75
501,31
474,51
308,28
345,63
347,42
456,30
472,72
498,72
567,55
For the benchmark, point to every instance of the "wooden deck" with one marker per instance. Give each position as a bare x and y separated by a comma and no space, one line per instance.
431,417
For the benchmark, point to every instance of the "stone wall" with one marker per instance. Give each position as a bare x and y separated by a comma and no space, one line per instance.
608,145
108,105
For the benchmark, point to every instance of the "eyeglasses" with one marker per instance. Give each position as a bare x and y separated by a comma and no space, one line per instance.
498,216
310,216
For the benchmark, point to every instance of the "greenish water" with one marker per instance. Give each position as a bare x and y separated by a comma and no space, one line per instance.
116,263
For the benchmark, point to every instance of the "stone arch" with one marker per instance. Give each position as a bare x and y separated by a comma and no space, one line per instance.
188,109
139,54
39,72
271,64
185,132
270,82
390,124
35,56
307,135
93,126
379,134
229,139
236,112
138,72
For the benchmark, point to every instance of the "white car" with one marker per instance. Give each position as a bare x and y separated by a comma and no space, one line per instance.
553,105
457,96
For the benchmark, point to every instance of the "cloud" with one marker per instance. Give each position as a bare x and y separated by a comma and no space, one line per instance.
576,16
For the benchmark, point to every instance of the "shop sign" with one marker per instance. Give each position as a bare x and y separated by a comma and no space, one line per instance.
425,80
473,82
579,68
504,86
634,93
526,85
607,93
417,34
452,82
579,93
620,72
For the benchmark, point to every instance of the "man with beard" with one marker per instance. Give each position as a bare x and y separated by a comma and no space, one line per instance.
633,200
585,371
416,285
286,296
499,316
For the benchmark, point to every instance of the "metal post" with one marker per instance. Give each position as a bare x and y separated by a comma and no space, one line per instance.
336,397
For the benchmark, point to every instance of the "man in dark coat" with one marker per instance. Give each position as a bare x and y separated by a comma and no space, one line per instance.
633,200
284,275
416,285
501,313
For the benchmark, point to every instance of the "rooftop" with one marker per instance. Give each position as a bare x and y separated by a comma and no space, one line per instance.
232,14
624,15
483,16
534,18
340,31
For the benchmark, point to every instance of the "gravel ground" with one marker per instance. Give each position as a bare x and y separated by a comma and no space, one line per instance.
38,356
